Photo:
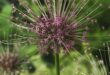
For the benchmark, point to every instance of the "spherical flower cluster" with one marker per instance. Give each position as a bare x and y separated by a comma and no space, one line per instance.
55,33
61,22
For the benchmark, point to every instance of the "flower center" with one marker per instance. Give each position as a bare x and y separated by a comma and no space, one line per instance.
50,28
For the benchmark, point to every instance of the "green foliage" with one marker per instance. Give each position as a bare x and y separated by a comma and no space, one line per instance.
5,24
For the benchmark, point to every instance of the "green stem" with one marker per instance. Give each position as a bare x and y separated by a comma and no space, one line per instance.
57,63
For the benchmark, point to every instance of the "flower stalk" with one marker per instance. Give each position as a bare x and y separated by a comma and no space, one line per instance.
57,64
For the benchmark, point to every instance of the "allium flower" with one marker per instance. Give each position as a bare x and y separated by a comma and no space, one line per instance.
11,61
61,24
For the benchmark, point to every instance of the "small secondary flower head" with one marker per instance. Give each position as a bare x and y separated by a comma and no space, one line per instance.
11,60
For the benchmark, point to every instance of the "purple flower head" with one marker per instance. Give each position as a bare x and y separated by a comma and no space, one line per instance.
61,24
55,33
